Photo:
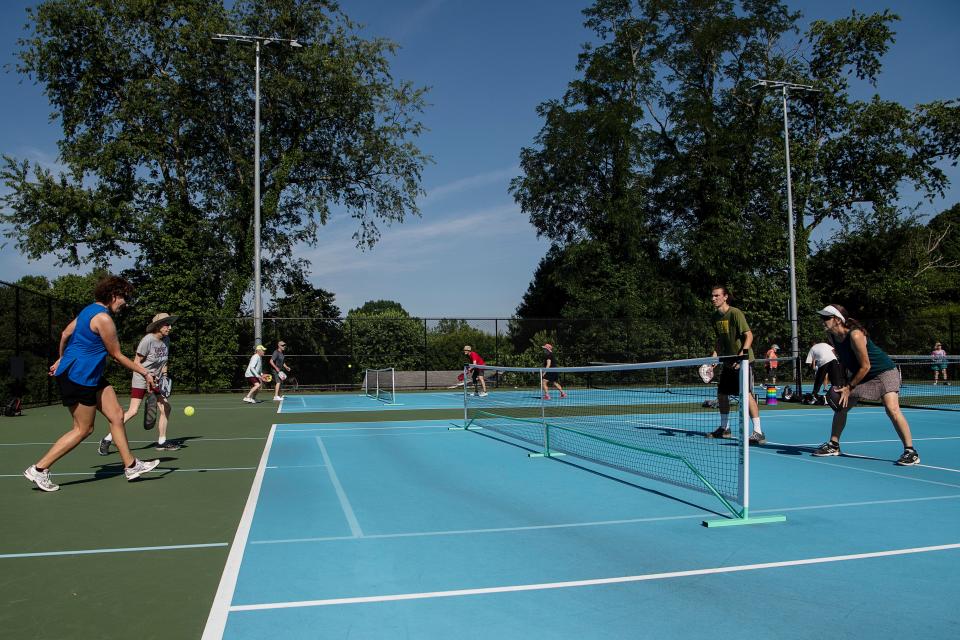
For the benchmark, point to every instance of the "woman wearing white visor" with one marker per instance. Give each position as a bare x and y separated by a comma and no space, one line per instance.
872,376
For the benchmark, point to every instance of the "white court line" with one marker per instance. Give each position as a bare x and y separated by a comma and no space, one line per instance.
821,461
393,428
117,473
592,582
219,610
597,523
96,442
341,494
84,552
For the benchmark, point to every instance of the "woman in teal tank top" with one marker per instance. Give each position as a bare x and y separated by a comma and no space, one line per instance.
872,376
84,346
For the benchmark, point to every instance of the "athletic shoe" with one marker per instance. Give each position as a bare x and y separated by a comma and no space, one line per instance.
546,396
563,395
277,398
40,478
104,447
758,438
250,400
828,448
483,394
169,445
139,468
719,432
909,458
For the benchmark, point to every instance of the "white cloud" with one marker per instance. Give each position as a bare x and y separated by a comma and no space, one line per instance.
470,182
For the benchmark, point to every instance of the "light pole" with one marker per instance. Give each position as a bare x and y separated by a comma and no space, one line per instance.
784,88
257,41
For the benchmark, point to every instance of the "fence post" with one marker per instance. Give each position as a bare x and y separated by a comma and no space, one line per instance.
50,351
425,367
196,355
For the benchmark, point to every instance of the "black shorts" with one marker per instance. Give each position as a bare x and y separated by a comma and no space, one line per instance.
72,393
551,376
476,374
729,383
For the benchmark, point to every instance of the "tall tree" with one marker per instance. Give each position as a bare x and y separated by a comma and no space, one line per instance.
157,138
663,154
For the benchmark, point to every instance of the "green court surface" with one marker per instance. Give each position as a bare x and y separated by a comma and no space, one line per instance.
106,558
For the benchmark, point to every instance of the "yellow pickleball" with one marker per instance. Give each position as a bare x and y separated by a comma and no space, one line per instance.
188,411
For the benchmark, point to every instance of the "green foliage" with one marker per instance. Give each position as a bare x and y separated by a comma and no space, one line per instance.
660,171
386,336
445,344
307,319
156,140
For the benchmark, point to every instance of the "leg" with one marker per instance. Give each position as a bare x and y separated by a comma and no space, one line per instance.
132,409
163,419
110,407
276,389
83,419
891,403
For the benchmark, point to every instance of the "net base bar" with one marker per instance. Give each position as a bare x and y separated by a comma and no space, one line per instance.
737,521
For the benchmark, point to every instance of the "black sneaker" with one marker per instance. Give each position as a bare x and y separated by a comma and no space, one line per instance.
757,438
169,445
104,447
720,432
828,448
909,458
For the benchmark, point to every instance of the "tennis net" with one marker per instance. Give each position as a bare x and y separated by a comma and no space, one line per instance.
380,384
929,383
649,419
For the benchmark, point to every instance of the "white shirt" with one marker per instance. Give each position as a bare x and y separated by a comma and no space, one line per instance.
820,354
255,367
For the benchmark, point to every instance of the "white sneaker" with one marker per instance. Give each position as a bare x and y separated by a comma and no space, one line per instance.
483,394
41,478
277,398
139,468
250,400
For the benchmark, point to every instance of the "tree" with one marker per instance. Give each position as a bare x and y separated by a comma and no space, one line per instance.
308,320
662,156
156,140
382,334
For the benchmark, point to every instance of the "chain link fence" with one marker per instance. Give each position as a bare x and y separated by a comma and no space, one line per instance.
210,354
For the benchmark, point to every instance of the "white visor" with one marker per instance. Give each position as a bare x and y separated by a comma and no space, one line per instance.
830,311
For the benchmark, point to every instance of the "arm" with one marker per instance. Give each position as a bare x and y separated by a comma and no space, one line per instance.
104,326
747,341
858,342
64,339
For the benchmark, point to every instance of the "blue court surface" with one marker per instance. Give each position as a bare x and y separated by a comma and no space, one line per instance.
406,529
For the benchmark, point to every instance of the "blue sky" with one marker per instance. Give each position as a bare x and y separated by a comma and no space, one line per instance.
488,64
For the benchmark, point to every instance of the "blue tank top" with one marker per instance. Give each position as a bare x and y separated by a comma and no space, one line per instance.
879,360
85,357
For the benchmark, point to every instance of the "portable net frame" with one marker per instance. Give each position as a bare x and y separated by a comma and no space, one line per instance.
649,419
380,384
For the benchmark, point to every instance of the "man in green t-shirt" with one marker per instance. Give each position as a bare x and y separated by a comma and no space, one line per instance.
733,338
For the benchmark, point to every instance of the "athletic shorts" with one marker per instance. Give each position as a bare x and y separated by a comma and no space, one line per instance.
72,393
874,389
476,374
939,366
551,376
729,383
140,394
253,381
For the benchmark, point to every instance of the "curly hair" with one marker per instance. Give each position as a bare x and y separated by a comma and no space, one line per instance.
111,287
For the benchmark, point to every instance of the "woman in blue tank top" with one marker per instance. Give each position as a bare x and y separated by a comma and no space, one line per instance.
871,376
84,346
